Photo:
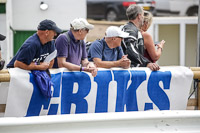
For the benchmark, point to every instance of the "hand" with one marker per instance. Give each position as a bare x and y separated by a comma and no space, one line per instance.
125,62
91,67
161,44
44,65
153,66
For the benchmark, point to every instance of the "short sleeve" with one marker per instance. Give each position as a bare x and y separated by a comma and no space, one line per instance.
96,49
27,54
84,52
62,45
120,53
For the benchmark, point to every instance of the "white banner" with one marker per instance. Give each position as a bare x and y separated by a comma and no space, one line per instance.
112,90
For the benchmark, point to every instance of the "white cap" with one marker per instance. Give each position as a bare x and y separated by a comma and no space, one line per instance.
81,23
114,31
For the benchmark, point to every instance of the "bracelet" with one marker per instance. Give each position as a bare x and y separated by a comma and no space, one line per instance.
160,48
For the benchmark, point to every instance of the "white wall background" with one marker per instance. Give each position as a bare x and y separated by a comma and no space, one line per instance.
27,14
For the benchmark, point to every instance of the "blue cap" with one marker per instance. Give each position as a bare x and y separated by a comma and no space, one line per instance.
49,25
2,37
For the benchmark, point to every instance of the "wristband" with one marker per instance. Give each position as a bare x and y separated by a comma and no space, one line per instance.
80,68
37,63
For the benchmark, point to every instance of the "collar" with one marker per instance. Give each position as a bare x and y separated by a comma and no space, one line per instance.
72,37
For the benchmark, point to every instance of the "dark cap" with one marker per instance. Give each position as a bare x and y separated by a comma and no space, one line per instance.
2,37
49,25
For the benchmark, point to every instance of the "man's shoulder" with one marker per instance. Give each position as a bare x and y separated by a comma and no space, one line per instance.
32,41
97,43
62,36
130,28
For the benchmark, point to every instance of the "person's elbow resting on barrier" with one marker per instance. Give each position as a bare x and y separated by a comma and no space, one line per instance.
35,50
72,48
88,67
107,52
33,66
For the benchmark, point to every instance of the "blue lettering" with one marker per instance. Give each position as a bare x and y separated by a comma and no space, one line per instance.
137,77
68,97
155,92
102,90
38,100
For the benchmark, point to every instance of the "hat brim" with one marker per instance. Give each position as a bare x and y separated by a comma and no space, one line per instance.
90,26
57,30
2,37
124,35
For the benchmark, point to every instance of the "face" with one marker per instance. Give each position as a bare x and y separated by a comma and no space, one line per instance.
50,34
141,19
145,26
83,33
117,41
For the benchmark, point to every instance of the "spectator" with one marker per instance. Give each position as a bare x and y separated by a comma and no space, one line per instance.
2,61
107,52
134,45
36,48
72,49
150,52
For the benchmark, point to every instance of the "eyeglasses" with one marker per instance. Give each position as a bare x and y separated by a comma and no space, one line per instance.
86,29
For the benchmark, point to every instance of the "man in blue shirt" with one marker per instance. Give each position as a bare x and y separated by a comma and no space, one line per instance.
36,48
107,53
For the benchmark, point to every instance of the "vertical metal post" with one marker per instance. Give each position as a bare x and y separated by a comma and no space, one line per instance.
198,38
198,97
198,61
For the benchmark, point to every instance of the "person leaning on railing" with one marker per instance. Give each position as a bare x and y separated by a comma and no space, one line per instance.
36,48
134,45
107,52
150,52
72,48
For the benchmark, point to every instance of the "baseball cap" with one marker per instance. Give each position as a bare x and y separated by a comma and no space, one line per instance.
81,23
49,25
114,31
2,37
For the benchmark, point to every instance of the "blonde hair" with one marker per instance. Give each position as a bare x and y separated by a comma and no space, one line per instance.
148,17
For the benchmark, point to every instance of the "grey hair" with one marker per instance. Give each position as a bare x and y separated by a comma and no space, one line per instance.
132,11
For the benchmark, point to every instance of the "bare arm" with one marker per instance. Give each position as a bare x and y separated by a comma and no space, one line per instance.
72,67
51,64
150,46
123,62
32,66
62,63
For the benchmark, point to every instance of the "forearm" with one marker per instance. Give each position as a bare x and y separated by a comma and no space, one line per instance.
85,62
51,64
107,64
22,65
69,66
157,55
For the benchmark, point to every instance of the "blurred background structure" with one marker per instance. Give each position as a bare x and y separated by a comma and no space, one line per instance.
175,21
